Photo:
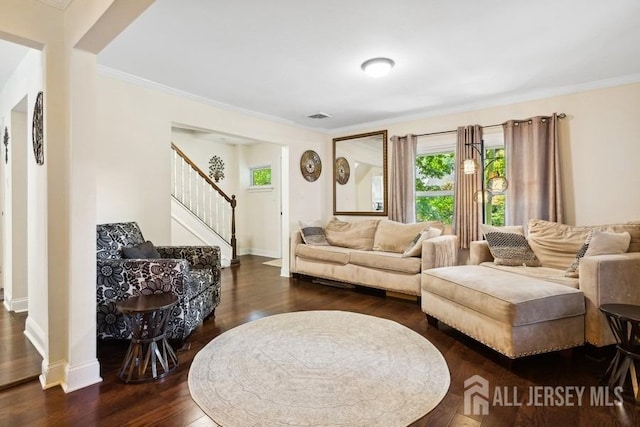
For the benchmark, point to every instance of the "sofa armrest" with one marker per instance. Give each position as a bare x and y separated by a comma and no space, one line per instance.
296,239
441,251
199,257
121,278
479,252
607,279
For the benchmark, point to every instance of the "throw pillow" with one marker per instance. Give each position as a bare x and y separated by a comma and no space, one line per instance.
353,235
509,246
600,243
393,236
572,271
606,243
556,244
415,247
313,233
144,250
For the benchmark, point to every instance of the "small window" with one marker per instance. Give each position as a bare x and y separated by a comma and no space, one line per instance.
260,176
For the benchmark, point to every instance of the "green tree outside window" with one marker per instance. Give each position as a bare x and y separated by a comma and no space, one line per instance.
260,176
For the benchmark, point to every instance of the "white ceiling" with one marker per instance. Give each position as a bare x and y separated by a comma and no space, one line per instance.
286,59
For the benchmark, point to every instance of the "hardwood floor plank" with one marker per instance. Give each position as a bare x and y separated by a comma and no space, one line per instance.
254,290
20,362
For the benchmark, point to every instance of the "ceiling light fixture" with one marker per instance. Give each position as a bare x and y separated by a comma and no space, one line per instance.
377,67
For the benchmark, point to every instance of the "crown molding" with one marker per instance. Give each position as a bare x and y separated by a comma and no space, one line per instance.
424,114
58,4
495,102
139,81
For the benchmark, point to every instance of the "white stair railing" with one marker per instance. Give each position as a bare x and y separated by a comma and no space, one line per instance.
194,190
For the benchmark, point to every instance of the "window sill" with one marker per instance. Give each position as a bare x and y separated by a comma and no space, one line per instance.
260,188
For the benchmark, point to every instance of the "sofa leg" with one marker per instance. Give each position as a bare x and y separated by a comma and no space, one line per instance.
432,321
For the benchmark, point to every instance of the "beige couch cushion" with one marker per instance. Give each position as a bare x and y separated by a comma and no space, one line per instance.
354,235
324,253
545,273
506,297
556,245
386,261
392,236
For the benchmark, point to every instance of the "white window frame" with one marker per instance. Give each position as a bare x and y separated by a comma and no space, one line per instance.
265,187
446,143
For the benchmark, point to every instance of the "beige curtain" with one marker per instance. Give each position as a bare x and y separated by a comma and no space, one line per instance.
533,170
467,212
402,179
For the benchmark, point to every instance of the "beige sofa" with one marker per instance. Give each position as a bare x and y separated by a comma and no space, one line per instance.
376,262
523,310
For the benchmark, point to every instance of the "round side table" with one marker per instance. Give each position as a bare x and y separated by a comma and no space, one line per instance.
624,321
149,350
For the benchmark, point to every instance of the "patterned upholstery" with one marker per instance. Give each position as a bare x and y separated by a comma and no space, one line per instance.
191,272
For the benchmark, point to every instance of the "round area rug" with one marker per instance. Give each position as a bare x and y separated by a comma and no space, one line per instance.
318,368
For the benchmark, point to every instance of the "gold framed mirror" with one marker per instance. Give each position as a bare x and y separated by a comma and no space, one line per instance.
360,174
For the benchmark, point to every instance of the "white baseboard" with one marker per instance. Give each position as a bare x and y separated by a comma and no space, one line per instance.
52,374
77,377
259,252
36,335
19,305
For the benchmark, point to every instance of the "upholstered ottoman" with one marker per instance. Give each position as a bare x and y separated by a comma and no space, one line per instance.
513,314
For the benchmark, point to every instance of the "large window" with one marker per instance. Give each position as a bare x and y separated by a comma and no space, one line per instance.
435,178
434,187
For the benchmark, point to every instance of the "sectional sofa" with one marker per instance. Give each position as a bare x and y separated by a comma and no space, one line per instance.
380,254
544,302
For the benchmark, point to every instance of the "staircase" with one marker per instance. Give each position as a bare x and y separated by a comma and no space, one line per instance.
202,208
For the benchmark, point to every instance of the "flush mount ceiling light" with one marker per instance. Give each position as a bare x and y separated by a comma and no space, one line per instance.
377,67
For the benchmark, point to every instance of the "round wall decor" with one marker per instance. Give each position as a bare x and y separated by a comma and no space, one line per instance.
343,171
38,149
310,165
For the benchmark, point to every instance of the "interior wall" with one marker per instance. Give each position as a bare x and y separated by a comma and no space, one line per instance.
260,218
23,86
598,147
17,296
134,135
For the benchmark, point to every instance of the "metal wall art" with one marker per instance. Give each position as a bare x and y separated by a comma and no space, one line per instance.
6,145
38,147
310,165
343,171
216,168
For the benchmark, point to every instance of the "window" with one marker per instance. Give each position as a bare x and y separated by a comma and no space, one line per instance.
435,177
260,176
495,166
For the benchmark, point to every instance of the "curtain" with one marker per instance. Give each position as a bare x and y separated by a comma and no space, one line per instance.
402,179
467,212
533,170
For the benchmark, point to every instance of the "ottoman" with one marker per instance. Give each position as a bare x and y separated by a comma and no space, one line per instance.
513,314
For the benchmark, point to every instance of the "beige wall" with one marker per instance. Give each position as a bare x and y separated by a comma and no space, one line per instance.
134,136
600,147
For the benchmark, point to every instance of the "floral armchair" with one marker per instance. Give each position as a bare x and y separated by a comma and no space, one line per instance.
191,272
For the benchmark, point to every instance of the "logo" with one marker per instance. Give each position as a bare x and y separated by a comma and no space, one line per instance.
476,396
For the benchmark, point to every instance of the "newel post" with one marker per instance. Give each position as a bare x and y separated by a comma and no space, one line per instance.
234,246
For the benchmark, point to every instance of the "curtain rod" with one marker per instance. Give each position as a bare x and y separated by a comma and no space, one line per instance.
560,116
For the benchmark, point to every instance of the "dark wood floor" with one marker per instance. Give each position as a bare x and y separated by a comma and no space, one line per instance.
19,360
253,291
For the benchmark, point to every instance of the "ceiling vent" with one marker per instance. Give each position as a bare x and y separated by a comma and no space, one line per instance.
319,115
